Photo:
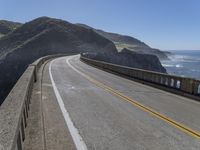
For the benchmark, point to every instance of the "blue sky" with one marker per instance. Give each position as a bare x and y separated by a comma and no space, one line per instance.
164,24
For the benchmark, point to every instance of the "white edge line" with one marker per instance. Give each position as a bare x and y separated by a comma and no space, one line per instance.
78,141
67,61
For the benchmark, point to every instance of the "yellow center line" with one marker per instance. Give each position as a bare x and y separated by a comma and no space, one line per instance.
170,121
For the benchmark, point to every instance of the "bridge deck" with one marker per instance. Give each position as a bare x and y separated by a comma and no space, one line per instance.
79,106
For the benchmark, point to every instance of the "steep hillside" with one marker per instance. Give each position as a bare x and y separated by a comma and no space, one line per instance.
40,37
133,44
8,26
131,59
47,33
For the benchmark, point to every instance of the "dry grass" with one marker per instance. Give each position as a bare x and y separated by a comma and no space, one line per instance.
120,46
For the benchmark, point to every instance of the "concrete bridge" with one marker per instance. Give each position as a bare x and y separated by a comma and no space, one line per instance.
68,102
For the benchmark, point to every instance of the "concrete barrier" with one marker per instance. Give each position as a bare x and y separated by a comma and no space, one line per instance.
180,85
14,110
41,61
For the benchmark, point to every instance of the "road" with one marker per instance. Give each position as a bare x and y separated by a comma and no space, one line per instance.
93,109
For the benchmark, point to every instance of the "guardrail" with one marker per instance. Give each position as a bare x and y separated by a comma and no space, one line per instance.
187,86
14,110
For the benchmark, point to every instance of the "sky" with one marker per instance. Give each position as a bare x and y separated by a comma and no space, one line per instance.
163,24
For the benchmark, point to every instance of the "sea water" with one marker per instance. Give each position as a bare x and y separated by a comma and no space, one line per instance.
185,63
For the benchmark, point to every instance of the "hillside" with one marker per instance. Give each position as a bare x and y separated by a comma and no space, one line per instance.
7,26
53,33
124,41
131,59
40,37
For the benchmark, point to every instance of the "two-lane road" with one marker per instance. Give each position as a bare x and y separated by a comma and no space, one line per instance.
104,111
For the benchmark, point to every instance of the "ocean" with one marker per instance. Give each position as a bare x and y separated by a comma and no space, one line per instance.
185,63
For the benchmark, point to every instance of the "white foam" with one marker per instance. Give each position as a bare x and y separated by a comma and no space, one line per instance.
178,66
168,65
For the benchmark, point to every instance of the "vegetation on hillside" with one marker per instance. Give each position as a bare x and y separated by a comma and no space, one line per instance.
8,26
131,43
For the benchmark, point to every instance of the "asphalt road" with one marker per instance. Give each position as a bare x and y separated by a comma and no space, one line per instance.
102,111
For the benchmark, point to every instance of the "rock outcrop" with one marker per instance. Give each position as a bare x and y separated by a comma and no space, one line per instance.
131,59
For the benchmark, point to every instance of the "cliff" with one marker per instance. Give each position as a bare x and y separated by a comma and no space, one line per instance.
131,59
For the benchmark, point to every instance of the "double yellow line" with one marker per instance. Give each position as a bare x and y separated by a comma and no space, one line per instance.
170,121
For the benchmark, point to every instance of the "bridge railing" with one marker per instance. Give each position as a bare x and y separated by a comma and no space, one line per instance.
185,85
14,110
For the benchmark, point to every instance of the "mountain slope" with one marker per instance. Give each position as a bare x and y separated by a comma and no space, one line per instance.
40,37
8,26
124,41
53,33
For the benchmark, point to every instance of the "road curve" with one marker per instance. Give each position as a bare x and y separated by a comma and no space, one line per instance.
98,114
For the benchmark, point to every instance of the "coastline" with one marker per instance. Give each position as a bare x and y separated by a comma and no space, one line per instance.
183,63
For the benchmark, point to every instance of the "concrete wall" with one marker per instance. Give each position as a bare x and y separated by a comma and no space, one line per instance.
14,110
180,85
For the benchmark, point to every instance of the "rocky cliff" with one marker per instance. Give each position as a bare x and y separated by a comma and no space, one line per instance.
131,59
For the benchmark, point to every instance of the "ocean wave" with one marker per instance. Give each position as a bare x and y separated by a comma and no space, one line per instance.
172,65
183,64
178,66
183,58
195,70
167,65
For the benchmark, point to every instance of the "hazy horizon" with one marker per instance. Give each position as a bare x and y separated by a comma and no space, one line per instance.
167,25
